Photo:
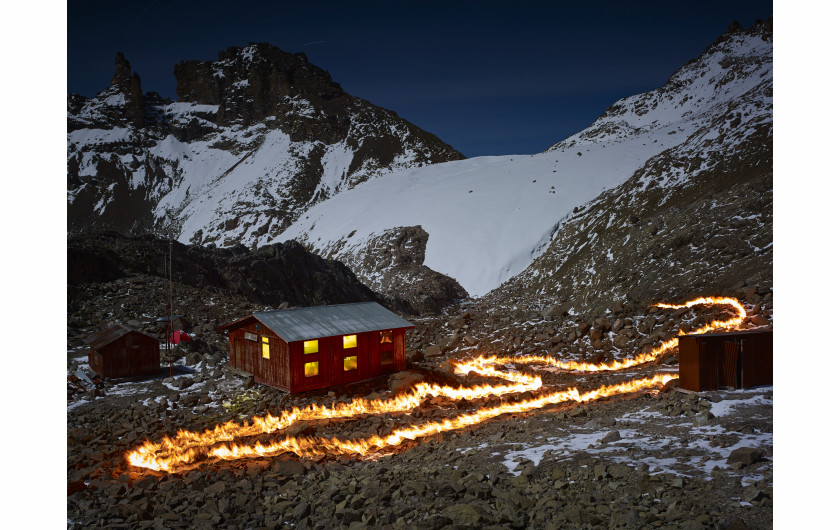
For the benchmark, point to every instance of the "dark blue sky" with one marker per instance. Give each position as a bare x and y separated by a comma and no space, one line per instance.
490,78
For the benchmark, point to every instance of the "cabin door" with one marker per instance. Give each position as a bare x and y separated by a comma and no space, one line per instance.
237,353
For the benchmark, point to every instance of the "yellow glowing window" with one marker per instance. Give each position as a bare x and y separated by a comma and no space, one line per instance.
386,337
265,350
310,346
310,369
349,341
351,363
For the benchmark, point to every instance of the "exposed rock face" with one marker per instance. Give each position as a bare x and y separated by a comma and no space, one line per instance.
392,264
251,85
254,138
129,85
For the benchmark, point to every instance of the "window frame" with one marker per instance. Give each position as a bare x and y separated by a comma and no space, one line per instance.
317,369
266,347
317,346
344,341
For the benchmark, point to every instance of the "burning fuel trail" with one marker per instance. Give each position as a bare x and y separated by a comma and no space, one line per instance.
160,458
482,363
188,448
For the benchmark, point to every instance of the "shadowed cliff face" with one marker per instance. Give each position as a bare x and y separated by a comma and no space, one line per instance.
272,275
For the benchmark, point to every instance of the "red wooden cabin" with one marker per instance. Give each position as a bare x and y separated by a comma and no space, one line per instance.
120,351
315,347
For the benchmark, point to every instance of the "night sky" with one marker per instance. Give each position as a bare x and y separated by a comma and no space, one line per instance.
489,78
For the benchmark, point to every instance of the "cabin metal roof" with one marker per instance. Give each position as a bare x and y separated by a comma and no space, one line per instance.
734,334
307,323
110,334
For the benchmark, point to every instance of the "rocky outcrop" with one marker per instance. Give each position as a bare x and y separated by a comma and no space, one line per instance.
129,85
250,84
273,275
391,263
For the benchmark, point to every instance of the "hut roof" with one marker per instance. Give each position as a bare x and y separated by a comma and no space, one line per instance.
110,334
306,323
733,334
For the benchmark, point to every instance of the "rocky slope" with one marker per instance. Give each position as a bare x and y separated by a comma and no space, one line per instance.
697,219
254,138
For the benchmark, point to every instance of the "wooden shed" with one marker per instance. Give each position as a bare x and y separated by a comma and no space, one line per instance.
738,359
120,351
178,323
315,347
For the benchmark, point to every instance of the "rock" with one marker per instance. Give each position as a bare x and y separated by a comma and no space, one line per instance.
301,510
733,523
743,456
753,495
612,436
288,468
432,351
470,340
215,489
759,320
185,382
460,321
75,485
702,419
403,380
559,310
465,514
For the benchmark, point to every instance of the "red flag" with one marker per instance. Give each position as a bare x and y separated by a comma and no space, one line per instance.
180,335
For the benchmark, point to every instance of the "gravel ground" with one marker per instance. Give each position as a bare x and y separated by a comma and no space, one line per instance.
666,459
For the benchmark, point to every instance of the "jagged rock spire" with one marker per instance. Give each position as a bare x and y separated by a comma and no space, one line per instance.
129,85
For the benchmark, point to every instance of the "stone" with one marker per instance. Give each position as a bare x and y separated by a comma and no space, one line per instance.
215,489
559,310
288,468
432,351
759,320
470,340
403,380
744,456
465,514
612,436
301,510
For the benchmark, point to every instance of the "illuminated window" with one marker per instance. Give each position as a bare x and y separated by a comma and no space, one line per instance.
349,341
310,346
310,369
351,363
386,358
265,350
386,337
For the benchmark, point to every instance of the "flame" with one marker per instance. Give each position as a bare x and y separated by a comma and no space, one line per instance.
639,359
188,448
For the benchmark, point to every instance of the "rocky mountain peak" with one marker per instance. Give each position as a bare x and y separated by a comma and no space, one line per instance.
128,85
257,81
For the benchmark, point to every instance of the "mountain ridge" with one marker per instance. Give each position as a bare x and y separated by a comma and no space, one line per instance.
144,163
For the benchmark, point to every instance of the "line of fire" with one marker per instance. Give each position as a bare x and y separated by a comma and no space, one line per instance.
303,349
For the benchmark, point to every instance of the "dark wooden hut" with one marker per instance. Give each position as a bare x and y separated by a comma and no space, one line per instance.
738,359
315,347
120,351
178,323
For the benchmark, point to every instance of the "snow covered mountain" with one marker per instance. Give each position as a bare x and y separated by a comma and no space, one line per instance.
485,220
254,138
